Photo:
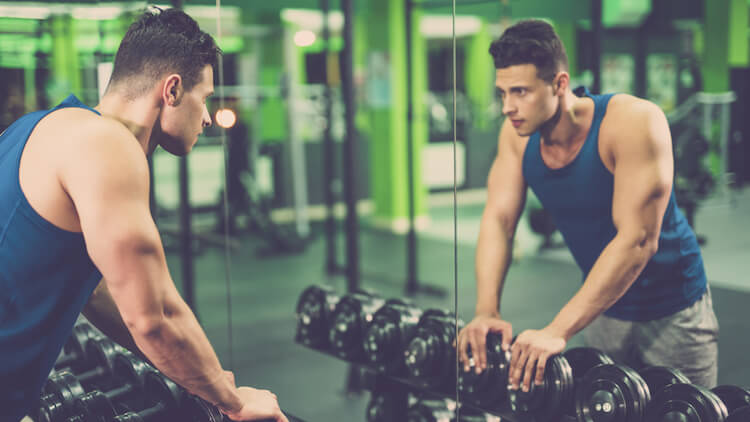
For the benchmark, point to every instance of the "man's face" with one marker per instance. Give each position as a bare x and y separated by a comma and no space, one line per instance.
181,123
527,100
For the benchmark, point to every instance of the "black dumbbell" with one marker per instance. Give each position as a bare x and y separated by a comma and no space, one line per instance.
489,388
658,377
390,331
101,353
741,414
545,402
75,347
581,360
430,357
314,309
611,393
685,402
736,399
350,321
64,388
428,411
164,395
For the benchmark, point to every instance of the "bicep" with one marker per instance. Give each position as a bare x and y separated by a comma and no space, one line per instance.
506,187
643,176
109,188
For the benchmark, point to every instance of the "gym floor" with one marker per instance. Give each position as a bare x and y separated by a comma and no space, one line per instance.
310,385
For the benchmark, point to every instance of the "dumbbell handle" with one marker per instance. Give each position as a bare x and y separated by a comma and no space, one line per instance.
148,414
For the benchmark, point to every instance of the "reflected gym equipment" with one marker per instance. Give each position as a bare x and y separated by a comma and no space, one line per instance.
391,330
430,357
315,309
349,323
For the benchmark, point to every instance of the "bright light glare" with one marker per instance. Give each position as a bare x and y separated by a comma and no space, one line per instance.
304,38
226,118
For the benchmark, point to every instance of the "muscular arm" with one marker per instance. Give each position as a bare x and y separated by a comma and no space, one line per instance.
108,183
506,194
643,173
101,311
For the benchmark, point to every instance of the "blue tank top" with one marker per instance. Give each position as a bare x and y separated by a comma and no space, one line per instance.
579,199
46,278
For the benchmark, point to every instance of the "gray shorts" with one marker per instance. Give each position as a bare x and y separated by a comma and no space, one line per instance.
686,340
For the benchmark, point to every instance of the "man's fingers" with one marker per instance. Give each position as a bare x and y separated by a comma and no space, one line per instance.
519,356
282,418
528,370
461,349
541,365
479,350
507,332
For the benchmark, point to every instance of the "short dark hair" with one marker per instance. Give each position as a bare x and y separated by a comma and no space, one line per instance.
161,42
534,42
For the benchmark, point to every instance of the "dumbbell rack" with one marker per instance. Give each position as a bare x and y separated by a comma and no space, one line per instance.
386,383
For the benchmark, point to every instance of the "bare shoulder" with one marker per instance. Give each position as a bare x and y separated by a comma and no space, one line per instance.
627,114
87,143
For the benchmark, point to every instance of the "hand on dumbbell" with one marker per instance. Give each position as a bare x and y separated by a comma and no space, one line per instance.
529,355
475,336
258,405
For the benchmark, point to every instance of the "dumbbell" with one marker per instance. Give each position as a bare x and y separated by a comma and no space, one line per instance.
737,401
350,321
386,406
390,331
64,388
545,402
466,414
612,393
658,377
581,360
164,395
75,347
489,388
314,309
428,411
685,402
100,355
430,357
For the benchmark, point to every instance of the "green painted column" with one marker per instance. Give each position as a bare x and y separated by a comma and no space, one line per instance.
739,32
480,79
716,46
387,101
65,69
270,50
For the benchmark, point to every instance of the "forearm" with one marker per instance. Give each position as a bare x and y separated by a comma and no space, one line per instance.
613,273
179,348
102,312
493,254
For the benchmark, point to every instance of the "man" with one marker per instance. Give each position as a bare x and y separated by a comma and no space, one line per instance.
74,187
603,167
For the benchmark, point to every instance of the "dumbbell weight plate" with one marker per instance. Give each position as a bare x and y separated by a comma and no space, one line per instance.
581,360
60,393
75,347
489,388
545,402
611,393
314,309
198,410
685,402
732,396
94,407
430,356
658,377
349,323
741,414
392,327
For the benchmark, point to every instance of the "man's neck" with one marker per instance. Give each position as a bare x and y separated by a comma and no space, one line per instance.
138,115
571,123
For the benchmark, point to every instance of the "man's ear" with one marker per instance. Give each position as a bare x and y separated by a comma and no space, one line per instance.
561,83
173,90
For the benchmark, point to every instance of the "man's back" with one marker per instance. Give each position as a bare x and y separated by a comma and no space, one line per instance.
46,275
